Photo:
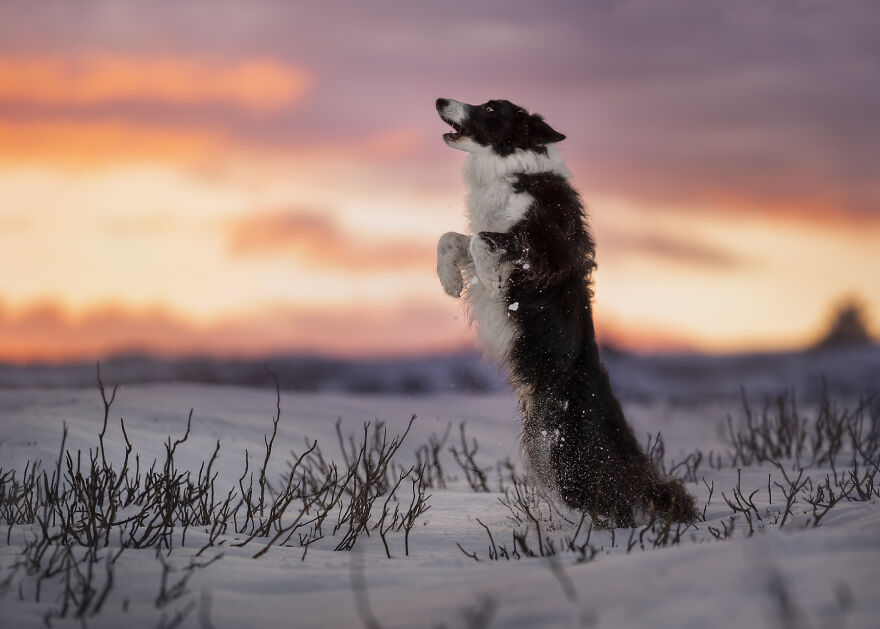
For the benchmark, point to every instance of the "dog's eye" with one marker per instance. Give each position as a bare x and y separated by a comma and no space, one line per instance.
489,109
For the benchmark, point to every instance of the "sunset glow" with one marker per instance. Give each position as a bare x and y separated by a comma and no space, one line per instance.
258,187
258,85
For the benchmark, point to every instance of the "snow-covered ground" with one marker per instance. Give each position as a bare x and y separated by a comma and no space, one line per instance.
797,576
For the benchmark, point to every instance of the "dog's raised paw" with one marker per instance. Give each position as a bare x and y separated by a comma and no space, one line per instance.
488,262
496,241
450,280
491,242
452,255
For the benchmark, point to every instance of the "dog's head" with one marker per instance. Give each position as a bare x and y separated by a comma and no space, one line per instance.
496,124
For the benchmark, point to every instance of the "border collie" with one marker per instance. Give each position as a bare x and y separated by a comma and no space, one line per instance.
525,278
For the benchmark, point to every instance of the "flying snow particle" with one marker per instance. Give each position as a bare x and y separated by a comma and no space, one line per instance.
514,306
475,280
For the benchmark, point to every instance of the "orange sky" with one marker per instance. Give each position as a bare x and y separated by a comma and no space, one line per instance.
258,187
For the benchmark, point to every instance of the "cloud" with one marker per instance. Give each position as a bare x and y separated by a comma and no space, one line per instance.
690,104
684,251
728,116
258,85
113,140
48,332
317,238
14,223
105,142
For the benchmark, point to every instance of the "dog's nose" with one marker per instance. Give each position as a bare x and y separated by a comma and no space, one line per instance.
441,103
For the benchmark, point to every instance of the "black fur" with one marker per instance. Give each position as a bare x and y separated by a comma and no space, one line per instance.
596,461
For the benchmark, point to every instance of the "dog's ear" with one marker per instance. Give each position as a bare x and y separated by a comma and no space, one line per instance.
541,133
521,125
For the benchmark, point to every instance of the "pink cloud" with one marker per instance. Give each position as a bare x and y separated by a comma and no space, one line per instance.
316,237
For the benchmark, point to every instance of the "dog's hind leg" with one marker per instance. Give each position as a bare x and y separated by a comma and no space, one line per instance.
452,257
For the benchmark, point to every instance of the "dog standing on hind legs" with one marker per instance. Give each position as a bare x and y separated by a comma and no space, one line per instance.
524,275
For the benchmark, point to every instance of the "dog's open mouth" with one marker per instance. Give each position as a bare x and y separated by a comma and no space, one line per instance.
456,134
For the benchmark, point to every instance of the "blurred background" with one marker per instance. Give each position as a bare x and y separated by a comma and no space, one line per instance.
234,180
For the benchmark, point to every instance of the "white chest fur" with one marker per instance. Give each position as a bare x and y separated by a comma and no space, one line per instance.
493,205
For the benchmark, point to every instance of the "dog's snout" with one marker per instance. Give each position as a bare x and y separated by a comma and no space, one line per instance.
442,103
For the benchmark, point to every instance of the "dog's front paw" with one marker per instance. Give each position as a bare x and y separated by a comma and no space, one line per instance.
450,278
453,245
491,242
487,257
496,241
452,254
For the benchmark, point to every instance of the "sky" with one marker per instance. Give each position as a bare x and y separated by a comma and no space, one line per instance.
243,178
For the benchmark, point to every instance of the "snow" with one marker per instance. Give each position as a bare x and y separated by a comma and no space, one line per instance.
514,306
828,575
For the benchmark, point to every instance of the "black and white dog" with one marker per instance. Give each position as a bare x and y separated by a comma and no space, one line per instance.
525,278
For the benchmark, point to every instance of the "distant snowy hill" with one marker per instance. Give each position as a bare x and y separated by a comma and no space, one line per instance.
847,370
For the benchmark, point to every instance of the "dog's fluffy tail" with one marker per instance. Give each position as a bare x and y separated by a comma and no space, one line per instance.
672,501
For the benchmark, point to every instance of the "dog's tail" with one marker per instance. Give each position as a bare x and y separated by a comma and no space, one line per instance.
672,501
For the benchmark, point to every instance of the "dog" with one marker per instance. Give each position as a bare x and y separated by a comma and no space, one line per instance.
525,277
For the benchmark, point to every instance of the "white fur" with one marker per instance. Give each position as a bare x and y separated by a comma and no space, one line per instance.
492,205
483,165
463,143
455,110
